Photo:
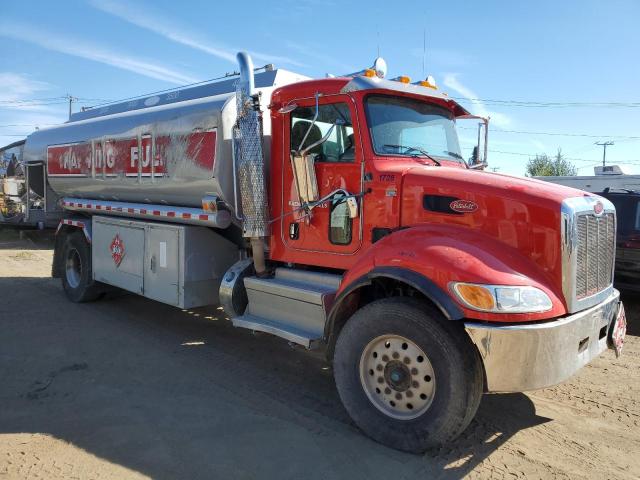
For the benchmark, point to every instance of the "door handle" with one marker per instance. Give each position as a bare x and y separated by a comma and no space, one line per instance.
152,263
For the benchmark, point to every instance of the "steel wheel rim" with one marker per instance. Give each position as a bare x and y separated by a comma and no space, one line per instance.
397,377
73,268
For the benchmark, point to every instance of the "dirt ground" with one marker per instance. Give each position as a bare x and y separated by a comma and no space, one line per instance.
129,388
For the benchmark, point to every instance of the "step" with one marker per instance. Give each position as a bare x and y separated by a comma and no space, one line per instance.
288,332
294,304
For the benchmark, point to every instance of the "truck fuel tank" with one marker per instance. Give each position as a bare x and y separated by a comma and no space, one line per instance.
169,149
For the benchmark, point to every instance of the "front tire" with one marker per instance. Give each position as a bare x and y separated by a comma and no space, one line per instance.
409,378
77,278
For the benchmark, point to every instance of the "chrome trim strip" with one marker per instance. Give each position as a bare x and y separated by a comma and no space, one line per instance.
163,213
517,358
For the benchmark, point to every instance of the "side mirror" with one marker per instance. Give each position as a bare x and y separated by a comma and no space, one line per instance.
478,159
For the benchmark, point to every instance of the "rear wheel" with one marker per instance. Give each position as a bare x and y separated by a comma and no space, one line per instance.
77,279
409,378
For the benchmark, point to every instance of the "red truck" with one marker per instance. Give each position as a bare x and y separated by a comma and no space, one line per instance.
339,213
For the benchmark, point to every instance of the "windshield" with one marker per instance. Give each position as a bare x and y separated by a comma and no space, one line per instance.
405,126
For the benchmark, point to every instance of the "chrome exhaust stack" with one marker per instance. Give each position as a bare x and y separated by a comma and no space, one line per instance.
250,164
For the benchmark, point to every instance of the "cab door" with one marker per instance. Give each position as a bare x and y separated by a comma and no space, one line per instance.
328,228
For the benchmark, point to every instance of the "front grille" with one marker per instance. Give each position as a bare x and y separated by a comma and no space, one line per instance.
595,253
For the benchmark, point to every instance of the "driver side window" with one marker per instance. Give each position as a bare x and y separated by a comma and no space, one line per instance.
339,147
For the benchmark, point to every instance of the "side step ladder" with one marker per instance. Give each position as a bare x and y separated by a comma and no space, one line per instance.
294,304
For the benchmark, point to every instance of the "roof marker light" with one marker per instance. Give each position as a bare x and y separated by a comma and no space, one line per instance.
378,69
403,79
428,82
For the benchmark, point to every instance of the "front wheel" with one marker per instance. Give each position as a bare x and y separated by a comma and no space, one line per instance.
409,378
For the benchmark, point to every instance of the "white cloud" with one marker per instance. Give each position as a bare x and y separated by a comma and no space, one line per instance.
324,58
22,107
18,91
96,53
498,119
17,87
168,29
442,58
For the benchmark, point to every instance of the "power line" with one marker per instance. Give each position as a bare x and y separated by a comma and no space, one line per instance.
568,158
27,125
32,100
559,134
530,103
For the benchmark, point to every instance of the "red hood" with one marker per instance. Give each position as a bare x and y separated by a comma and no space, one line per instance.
480,182
521,213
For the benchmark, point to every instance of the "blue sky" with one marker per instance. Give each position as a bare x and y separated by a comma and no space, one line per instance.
546,52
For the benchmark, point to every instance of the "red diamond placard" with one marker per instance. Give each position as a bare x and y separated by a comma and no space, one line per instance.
117,250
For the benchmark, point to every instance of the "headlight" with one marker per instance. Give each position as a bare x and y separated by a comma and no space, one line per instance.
501,298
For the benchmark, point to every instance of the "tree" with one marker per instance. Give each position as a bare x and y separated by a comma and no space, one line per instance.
545,166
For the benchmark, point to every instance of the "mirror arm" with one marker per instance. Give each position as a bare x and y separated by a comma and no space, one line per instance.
478,166
319,142
313,122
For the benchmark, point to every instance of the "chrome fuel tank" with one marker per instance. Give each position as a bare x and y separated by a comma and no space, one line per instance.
172,149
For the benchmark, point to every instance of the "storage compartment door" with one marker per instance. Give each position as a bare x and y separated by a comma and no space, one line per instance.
118,253
162,264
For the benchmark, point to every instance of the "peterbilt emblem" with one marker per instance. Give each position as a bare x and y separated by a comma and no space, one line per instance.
463,206
598,208
117,250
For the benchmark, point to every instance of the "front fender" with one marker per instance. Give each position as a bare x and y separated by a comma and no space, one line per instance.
445,253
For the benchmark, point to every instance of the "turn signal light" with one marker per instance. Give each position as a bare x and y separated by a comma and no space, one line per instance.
476,296
502,298
369,72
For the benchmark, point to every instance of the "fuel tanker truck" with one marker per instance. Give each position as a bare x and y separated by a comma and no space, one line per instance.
338,213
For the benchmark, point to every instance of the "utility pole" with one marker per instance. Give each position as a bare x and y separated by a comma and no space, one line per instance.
71,100
604,150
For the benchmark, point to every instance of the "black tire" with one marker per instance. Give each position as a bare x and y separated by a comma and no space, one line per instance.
454,359
75,270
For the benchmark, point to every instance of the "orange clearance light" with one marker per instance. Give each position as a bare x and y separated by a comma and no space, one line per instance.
429,82
402,79
370,72
476,296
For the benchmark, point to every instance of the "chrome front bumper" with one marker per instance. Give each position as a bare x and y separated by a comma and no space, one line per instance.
527,357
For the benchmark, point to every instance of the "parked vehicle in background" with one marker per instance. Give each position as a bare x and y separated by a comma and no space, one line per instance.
339,213
623,190
26,199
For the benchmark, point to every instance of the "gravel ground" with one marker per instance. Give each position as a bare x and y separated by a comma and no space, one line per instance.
130,388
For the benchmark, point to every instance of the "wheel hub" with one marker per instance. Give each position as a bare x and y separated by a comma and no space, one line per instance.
397,376
73,268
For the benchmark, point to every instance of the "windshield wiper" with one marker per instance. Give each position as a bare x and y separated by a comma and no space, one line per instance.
413,149
454,155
